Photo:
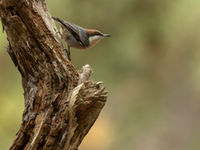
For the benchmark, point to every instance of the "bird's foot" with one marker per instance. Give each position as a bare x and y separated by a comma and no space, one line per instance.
68,54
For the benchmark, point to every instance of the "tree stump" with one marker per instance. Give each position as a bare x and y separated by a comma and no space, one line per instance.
61,104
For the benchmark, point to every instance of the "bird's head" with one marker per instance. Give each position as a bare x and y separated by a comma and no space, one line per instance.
95,36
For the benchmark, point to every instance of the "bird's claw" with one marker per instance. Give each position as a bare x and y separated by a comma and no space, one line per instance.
68,54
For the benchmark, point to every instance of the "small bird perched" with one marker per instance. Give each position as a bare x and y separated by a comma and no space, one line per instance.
78,37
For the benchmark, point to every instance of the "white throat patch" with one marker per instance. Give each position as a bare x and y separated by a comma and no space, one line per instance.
94,38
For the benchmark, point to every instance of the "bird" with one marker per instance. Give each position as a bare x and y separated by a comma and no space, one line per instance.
78,37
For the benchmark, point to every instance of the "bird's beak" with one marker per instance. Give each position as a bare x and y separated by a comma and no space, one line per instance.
106,35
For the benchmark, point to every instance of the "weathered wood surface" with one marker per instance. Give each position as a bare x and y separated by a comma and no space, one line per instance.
61,104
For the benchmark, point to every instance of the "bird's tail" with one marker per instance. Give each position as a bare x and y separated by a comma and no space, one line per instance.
66,24
58,20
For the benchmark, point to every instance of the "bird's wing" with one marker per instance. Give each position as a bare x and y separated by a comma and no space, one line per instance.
72,28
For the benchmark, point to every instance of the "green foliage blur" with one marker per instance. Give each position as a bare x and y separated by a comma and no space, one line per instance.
150,67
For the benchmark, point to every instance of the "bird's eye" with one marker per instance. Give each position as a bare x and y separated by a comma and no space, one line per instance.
97,33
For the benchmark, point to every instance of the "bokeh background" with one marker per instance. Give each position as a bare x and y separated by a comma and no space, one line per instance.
150,67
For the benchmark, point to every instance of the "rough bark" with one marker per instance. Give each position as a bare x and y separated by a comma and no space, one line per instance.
61,104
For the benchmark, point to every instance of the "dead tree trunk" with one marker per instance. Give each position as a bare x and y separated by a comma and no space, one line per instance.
61,104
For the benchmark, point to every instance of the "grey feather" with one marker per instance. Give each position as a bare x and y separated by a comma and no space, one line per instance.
78,32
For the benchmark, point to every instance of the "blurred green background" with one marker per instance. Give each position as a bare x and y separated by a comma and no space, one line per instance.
150,67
